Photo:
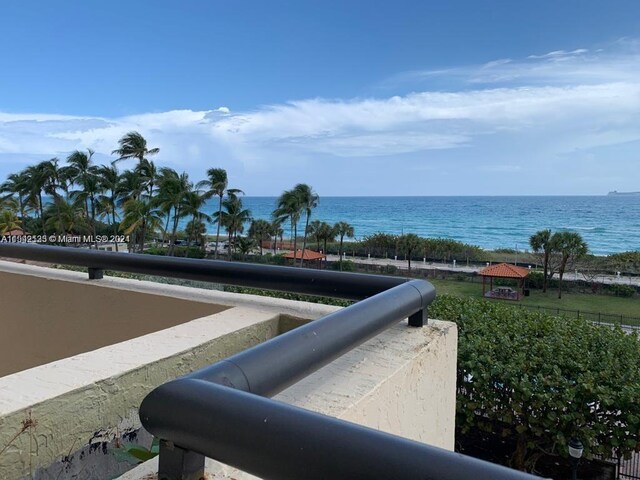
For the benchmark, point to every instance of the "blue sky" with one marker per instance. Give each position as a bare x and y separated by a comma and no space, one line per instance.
355,98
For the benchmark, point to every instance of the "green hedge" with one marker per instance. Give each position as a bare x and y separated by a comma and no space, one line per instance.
545,379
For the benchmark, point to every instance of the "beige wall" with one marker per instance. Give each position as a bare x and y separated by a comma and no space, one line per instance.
42,320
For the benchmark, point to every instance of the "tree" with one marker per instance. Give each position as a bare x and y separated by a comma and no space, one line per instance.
408,244
343,229
172,192
537,380
289,208
140,216
134,145
17,184
260,230
570,246
82,173
9,221
541,244
308,200
313,230
109,178
216,185
233,217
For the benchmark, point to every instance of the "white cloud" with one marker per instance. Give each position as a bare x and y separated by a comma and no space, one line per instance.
540,106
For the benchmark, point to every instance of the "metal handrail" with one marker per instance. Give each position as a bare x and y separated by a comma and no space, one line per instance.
217,411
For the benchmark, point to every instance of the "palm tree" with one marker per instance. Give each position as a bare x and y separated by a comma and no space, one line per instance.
66,217
35,182
17,184
277,232
109,179
139,217
408,244
149,173
308,200
193,203
289,208
82,173
172,191
9,221
216,186
541,242
343,229
571,246
134,145
326,233
260,230
79,170
233,217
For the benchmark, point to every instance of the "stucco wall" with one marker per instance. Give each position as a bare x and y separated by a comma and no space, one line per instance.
45,319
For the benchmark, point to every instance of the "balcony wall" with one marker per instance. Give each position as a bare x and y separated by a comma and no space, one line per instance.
64,418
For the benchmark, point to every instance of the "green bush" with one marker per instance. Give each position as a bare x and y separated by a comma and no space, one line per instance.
390,269
621,290
347,266
544,379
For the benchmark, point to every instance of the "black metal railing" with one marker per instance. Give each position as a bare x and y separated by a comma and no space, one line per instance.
222,412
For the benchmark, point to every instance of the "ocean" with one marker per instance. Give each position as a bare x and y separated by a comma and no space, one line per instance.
609,224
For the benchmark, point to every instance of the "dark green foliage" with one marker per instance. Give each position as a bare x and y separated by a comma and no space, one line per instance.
189,252
347,266
626,261
544,379
621,290
288,296
389,269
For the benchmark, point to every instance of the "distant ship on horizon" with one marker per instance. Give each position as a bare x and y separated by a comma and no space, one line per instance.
626,194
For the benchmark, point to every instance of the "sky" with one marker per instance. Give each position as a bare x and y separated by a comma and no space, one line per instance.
357,97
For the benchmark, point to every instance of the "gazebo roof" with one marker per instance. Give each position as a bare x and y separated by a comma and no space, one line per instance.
504,270
308,255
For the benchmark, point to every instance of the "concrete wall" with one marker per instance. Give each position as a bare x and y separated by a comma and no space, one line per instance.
44,319
62,419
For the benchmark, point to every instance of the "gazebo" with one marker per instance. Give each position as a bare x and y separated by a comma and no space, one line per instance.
308,255
503,270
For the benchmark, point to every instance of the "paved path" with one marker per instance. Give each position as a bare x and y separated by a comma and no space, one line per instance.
402,264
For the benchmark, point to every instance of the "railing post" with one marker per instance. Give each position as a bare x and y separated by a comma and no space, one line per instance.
419,319
95,273
176,463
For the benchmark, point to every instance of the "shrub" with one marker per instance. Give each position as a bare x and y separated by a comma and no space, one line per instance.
622,290
390,269
544,379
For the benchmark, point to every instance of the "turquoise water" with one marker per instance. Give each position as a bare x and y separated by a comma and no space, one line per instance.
608,224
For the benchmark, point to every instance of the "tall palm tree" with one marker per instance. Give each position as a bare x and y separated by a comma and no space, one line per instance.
109,179
80,169
193,203
277,232
541,243
313,230
216,186
570,245
343,229
308,201
134,145
149,173
172,191
289,208
233,216
35,182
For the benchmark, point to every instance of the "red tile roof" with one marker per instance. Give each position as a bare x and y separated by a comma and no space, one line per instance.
504,270
308,255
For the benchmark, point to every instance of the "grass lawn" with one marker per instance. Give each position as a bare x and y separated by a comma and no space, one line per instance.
583,302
